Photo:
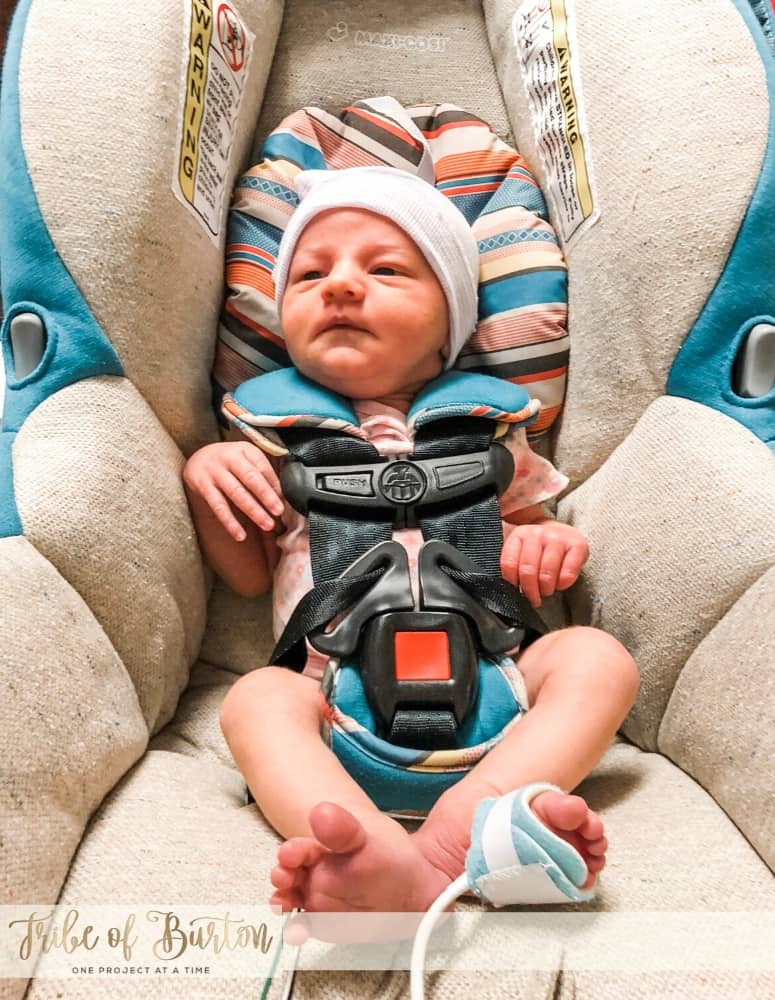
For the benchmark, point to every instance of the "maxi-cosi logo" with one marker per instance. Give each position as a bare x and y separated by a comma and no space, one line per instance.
387,39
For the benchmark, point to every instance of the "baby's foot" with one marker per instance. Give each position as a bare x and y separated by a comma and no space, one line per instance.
446,835
348,867
570,817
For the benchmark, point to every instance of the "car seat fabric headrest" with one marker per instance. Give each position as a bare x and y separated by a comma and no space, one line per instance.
521,330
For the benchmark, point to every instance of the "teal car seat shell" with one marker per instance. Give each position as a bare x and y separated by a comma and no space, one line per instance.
35,280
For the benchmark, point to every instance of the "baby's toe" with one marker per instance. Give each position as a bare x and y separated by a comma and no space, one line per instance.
592,827
595,863
563,812
287,901
298,852
597,847
285,878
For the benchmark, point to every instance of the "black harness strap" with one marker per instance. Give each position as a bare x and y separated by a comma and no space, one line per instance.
315,610
337,540
473,524
344,527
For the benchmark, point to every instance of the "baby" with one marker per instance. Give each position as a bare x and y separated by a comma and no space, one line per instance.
376,286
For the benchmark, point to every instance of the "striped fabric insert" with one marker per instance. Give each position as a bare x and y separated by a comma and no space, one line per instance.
522,328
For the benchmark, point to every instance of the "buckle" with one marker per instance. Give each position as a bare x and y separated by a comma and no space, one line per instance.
391,592
420,665
440,592
401,487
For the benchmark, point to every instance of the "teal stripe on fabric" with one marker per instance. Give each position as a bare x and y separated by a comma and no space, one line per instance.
765,14
517,192
34,278
391,788
254,258
744,295
471,205
283,146
245,229
470,182
532,288
270,187
512,237
10,522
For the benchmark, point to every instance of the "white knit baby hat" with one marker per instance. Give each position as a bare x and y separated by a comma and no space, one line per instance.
426,215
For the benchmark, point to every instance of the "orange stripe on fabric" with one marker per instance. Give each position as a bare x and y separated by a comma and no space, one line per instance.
432,134
251,275
545,419
467,164
383,124
471,189
541,376
249,248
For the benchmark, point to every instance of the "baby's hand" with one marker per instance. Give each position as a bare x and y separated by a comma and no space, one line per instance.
543,557
238,473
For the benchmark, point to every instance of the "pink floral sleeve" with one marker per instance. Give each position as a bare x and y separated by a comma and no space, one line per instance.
535,479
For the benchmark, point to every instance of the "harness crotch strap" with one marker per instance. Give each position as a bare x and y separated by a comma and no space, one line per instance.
418,657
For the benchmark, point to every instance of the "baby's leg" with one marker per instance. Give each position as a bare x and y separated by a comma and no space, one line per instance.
581,683
344,854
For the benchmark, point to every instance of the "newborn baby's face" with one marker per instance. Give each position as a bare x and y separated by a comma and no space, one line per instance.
363,312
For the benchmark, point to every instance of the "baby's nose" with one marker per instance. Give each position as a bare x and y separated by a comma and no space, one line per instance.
343,282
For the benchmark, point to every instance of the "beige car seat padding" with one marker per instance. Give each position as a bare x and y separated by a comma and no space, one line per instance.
58,668
686,499
670,196
720,721
99,493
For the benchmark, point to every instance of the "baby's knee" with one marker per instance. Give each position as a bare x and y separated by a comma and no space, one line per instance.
611,661
266,690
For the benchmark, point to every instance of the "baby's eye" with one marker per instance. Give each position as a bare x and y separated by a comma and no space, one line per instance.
384,269
310,276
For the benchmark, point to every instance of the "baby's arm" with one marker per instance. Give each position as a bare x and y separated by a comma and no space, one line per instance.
234,495
541,555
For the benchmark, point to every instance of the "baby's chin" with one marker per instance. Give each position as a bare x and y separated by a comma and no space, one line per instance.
348,371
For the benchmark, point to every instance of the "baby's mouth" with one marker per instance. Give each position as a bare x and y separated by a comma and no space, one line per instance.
340,323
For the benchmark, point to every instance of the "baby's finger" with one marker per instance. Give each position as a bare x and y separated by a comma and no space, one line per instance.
244,500
529,561
551,561
221,508
261,478
512,546
572,565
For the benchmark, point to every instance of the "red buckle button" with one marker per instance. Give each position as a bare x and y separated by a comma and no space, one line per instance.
422,656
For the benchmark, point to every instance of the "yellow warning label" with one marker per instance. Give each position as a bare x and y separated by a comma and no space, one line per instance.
196,88
545,44
217,58
569,105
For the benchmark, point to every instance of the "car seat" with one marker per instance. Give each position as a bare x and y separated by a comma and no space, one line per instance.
655,151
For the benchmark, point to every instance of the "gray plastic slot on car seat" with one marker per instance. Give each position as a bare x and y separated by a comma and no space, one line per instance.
28,344
754,373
